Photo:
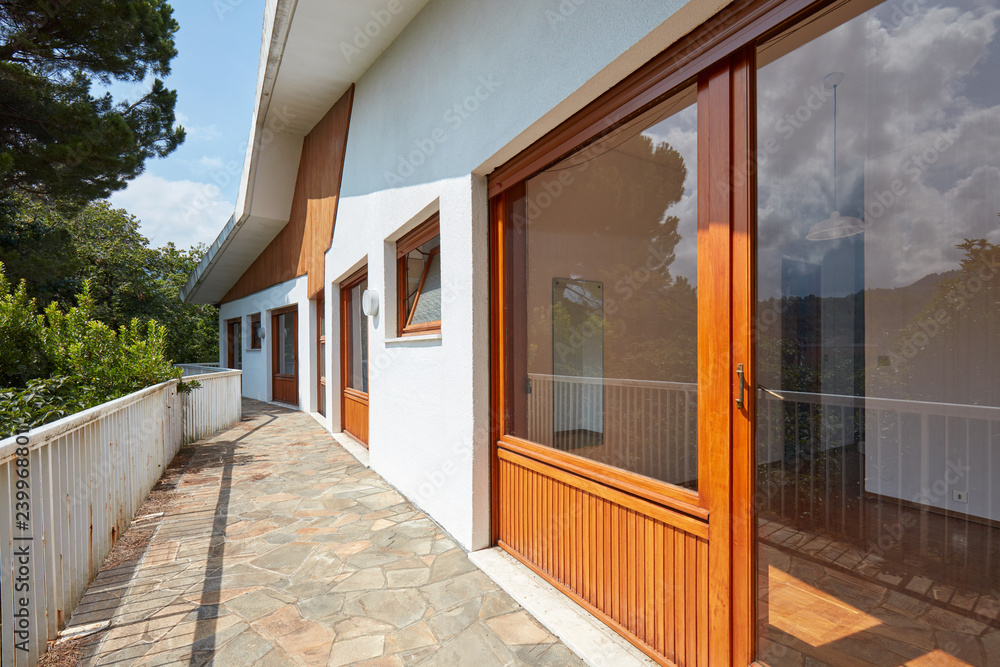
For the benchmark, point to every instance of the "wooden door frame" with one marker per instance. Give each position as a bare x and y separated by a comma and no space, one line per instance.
346,338
320,346
275,314
722,54
230,345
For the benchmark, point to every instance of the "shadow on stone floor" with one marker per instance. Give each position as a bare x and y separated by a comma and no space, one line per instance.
279,548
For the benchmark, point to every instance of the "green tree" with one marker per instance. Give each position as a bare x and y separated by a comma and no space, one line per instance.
55,253
192,330
116,259
37,248
57,136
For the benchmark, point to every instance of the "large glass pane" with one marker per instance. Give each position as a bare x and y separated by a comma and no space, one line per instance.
608,353
236,340
255,343
878,339
428,306
358,372
423,283
286,344
321,354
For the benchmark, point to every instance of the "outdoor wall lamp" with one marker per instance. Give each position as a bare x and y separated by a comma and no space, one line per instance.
369,302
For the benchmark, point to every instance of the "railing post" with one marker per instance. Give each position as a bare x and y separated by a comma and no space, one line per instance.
6,566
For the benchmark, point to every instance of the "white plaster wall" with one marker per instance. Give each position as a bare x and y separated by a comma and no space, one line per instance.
257,363
470,83
515,69
467,85
429,398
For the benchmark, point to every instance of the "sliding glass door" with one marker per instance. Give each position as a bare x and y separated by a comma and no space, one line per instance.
878,336
746,341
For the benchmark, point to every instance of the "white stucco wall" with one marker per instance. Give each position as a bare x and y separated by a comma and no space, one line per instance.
257,363
429,399
467,85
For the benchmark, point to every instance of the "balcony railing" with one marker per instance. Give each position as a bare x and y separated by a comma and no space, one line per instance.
201,368
69,489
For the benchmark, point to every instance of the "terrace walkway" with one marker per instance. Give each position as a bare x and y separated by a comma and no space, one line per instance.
276,547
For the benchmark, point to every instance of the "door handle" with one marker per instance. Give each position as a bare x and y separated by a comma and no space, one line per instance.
743,385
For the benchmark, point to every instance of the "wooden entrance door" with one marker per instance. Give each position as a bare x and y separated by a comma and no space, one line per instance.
321,353
285,355
354,357
234,344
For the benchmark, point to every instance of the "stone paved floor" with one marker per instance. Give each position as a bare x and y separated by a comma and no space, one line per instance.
276,547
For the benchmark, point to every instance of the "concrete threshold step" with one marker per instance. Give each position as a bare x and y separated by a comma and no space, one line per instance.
590,639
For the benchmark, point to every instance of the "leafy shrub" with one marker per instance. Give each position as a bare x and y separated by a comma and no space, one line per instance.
61,362
43,400
21,354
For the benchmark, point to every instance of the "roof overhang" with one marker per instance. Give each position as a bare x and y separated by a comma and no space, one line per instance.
311,52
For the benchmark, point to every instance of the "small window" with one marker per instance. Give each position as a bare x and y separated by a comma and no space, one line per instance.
255,331
419,272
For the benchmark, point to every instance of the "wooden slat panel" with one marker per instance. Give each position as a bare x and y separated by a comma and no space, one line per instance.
285,389
657,493
645,576
356,417
300,246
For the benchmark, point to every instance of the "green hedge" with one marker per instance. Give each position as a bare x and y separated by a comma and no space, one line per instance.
61,362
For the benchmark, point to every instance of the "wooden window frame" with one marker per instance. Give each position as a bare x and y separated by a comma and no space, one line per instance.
405,245
255,341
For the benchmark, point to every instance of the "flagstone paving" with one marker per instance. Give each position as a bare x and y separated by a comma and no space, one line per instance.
276,547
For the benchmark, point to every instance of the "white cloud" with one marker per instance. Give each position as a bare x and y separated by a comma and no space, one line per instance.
197,132
211,163
203,132
913,94
185,212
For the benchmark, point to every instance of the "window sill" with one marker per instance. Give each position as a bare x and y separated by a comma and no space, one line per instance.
413,339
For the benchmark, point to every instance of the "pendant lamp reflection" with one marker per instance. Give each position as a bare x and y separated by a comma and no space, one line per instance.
836,226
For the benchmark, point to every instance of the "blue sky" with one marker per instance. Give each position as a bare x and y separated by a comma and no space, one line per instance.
188,196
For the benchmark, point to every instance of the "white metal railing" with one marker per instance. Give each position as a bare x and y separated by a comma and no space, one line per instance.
201,368
215,405
69,489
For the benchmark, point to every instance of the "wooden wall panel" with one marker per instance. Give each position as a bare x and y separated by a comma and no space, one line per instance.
641,568
299,248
